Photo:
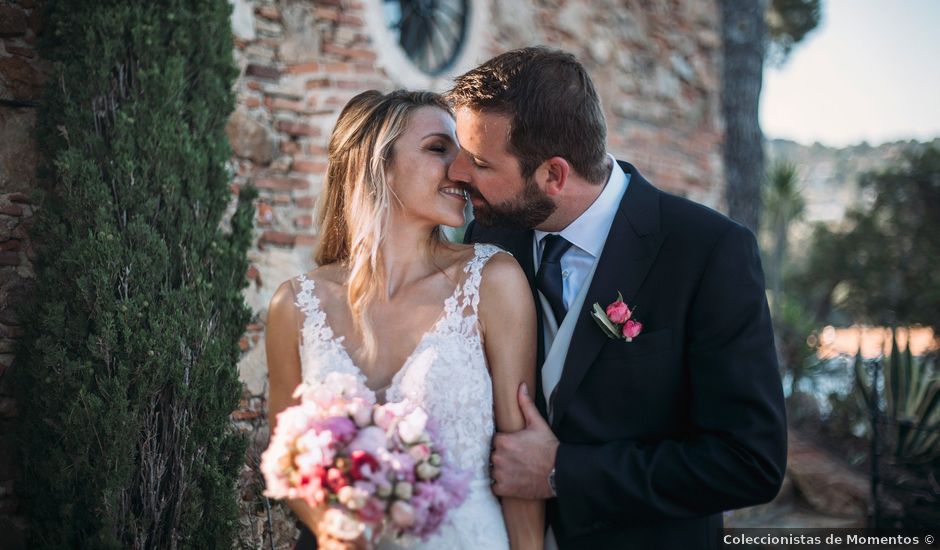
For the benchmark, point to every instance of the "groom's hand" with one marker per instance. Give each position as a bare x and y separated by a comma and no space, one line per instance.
522,460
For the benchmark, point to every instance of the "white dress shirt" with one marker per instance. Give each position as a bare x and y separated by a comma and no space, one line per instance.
587,235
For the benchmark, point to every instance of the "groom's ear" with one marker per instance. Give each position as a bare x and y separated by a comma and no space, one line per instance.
553,175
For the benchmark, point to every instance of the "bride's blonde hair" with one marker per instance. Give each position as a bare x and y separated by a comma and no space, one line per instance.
354,205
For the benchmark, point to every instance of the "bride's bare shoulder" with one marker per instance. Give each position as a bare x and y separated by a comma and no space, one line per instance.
456,255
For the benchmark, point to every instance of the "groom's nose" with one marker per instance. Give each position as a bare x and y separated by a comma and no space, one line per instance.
459,169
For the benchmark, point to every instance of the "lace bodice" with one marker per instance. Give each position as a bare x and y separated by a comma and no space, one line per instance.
446,374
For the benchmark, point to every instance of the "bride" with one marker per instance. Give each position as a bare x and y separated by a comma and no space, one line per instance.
448,326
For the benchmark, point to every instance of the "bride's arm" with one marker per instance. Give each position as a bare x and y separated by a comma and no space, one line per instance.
507,319
282,339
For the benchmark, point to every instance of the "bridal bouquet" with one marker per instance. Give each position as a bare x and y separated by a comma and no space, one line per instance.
375,468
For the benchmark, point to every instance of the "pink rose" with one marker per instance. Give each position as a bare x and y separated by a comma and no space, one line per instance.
618,312
631,329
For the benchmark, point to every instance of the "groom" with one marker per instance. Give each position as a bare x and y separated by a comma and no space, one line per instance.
645,442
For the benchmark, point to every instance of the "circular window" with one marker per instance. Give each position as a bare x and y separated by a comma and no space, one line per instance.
431,32
422,43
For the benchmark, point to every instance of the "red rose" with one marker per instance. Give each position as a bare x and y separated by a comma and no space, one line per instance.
360,461
336,480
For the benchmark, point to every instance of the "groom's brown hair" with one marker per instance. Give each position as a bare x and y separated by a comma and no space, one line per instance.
552,105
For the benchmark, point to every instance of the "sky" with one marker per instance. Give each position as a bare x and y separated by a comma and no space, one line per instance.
869,72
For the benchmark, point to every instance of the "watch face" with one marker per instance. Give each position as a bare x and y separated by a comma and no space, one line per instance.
431,32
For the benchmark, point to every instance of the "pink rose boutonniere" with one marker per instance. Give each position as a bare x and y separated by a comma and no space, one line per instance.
616,321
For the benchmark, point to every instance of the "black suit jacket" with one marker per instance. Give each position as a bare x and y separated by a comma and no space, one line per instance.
661,434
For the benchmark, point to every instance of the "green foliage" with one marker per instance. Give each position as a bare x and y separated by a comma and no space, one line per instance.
881,266
784,205
788,22
911,402
126,374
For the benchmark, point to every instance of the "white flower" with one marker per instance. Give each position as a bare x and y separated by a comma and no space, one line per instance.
411,427
404,490
425,471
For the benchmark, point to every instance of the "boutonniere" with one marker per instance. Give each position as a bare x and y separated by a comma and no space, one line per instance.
616,321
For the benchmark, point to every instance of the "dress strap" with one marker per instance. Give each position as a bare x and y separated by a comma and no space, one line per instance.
314,327
474,269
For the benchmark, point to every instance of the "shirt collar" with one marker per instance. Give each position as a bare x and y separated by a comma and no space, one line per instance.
589,230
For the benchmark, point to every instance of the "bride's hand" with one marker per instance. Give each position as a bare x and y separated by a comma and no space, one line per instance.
326,542
330,529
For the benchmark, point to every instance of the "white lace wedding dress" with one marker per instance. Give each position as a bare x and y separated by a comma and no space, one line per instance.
447,375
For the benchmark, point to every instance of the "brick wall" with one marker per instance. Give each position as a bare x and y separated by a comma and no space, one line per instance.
21,76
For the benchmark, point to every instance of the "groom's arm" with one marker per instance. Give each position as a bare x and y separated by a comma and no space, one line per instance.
736,455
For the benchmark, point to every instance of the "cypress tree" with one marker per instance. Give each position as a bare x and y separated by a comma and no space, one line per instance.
126,374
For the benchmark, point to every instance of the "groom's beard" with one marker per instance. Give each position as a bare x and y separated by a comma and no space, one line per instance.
526,210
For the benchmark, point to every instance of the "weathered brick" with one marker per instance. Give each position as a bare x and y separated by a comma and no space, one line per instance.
278,238
11,210
9,258
305,202
22,52
269,12
337,67
303,68
351,20
313,83
13,21
281,104
297,128
12,245
350,53
304,221
328,14
245,415
307,166
264,214
18,197
262,71
277,183
290,147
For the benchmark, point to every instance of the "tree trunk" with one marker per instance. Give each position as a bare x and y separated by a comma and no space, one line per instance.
743,32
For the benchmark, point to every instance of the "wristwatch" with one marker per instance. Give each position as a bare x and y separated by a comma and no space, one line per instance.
551,482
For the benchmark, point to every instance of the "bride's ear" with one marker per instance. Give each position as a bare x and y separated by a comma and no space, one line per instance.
552,175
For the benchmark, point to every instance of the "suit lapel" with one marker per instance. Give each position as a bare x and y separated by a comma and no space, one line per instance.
631,247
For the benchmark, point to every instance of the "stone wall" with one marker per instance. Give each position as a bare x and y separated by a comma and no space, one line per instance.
21,76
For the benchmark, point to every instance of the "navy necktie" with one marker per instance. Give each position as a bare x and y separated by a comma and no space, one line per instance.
548,279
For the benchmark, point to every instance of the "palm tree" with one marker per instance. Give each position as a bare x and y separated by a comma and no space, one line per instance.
784,205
